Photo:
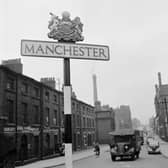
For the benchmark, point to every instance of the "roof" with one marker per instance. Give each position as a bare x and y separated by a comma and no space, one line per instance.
122,132
3,67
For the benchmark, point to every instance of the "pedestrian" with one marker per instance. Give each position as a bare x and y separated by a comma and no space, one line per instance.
97,149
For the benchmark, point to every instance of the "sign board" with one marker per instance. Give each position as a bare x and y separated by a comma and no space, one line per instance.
64,50
9,129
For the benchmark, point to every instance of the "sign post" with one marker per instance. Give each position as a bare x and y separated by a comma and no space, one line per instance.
67,32
68,114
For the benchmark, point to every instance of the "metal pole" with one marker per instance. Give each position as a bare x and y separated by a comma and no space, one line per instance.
67,114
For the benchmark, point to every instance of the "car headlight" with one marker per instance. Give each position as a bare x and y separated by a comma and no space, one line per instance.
131,149
114,149
126,147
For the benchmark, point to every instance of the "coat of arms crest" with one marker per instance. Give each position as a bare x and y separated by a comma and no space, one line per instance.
65,29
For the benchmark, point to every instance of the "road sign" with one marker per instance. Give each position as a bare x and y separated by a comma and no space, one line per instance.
66,32
64,50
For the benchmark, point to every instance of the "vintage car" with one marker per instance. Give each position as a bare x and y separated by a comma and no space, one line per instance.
125,143
153,147
148,139
62,149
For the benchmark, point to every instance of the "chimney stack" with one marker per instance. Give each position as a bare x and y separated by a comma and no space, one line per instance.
159,79
49,81
14,65
156,88
94,89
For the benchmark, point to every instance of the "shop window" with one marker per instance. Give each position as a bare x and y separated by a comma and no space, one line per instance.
36,145
48,141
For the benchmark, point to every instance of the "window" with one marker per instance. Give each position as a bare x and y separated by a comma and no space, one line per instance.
25,113
87,122
48,141
78,107
62,100
36,114
47,95
55,117
84,122
10,109
36,145
93,123
47,117
73,106
55,99
78,140
78,120
83,108
35,92
10,84
62,119
24,88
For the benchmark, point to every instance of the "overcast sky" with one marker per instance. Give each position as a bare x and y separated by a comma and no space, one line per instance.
135,30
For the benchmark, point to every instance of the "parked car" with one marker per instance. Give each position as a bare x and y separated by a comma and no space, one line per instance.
153,147
148,139
62,149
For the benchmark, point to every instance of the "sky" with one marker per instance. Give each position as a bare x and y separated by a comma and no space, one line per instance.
135,31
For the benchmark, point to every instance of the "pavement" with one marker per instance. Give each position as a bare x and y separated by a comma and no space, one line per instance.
49,163
163,146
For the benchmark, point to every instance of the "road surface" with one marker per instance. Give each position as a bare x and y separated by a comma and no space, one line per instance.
104,161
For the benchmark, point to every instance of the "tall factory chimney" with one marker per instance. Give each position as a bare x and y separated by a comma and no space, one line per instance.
156,88
94,89
159,78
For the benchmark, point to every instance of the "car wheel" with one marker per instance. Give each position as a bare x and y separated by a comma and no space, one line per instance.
137,155
113,158
8,164
133,157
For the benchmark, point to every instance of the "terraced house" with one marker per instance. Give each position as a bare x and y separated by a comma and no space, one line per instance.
34,115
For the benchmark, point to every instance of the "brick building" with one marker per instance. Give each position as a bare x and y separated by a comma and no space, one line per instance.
161,109
34,114
123,117
104,117
105,123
